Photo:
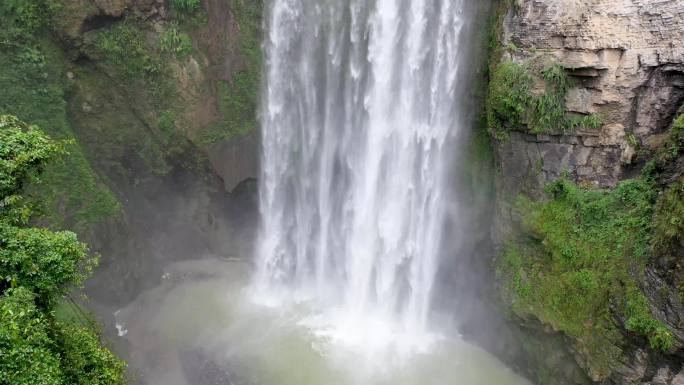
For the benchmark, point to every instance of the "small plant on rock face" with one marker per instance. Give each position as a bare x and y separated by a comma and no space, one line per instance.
509,96
640,320
125,47
511,102
175,42
187,6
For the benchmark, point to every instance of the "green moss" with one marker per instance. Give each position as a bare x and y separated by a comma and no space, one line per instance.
674,145
72,194
574,261
67,311
237,105
640,320
238,98
141,109
22,18
125,47
494,31
669,219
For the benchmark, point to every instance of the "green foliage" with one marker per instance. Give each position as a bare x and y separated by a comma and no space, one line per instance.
187,6
26,357
494,32
176,43
548,108
142,71
673,146
238,98
37,267
32,79
601,226
248,16
575,261
124,45
67,311
42,261
511,101
509,97
167,121
36,350
23,151
237,103
21,18
641,321
557,78
85,361
668,223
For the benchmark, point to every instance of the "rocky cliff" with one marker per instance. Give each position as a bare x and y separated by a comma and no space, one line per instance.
615,70
159,102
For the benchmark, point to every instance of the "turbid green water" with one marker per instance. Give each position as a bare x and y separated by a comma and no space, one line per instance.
197,328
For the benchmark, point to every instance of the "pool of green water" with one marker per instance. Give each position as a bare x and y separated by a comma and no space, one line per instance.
197,328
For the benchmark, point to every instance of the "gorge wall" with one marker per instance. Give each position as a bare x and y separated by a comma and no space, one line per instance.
583,97
588,92
160,104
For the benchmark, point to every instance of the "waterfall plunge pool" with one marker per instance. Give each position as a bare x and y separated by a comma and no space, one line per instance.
198,328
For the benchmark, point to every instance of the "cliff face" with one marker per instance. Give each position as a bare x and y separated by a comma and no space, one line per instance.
624,65
626,58
160,105
165,144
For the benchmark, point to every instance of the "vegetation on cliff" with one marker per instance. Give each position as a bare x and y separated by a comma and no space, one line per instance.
238,98
577,258
514,103
515,100
578,262
37,268
573,268
32,77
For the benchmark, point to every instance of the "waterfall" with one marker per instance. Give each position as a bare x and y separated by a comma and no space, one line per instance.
360,122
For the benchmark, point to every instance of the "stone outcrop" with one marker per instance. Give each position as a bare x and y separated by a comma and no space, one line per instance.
625,60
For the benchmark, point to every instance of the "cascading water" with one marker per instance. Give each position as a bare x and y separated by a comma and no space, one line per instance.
360,122
362,119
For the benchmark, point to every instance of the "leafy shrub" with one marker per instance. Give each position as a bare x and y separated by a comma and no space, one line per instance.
85,361
26,357
41,260
23,151
37,266
509,96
